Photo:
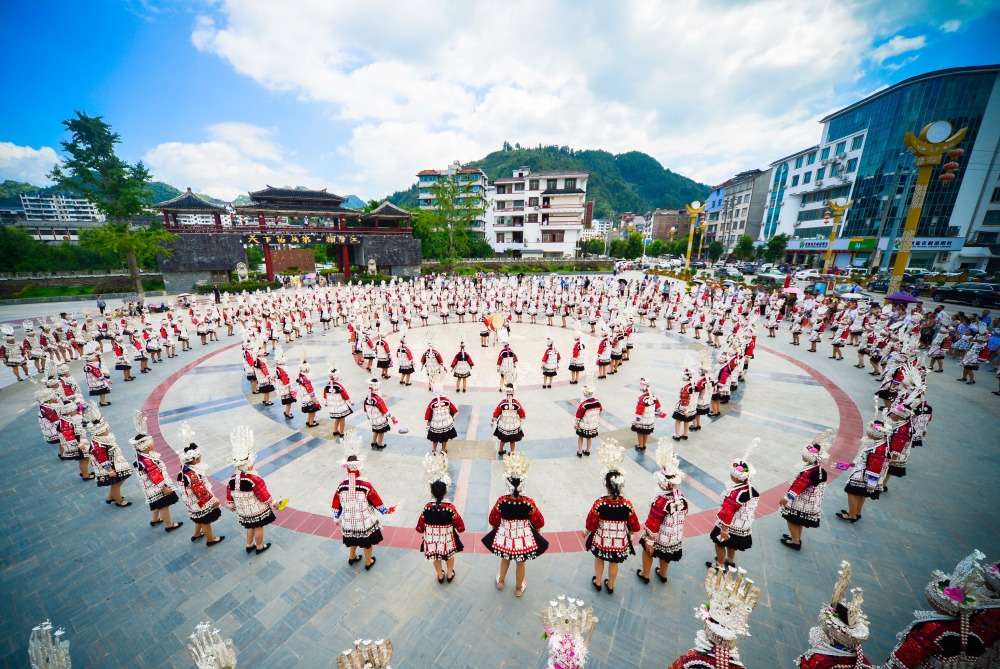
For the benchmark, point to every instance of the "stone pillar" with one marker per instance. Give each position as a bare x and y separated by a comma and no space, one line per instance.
218,220
268,262
345,261
166,219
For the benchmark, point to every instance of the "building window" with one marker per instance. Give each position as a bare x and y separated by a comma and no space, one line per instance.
533,201
551,184
995,198
501,190
500,238
811,158
798,162
820,173
518,187
825,154
531,218
992,217
795,180
856,142
570,183
834,169
807,177
532,184
852,165
841,147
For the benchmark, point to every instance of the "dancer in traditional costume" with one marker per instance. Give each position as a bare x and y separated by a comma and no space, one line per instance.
507,420
611,521
647,410
803,503
48,411
461,368
440,418
203,507
731,599
310,405
246,493
663,532
383,356
32,348
506,361
588,418
72,435
686,409
515,520
431,361
871,466
12,354
337,401
265,380
405,357
550,364
734,522
954,633
106,457
440,522
286,392
378,415
355,504
836,642
98,380
576,361
153,475
900,437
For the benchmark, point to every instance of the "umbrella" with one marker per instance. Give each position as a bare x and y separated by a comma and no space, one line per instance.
792,290
494,320
183,294
728,283
901,297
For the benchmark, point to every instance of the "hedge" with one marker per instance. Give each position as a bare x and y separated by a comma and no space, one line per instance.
239,287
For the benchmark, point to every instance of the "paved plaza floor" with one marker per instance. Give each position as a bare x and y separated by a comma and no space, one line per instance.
129,595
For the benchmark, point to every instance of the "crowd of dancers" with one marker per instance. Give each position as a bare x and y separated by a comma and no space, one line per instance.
727,317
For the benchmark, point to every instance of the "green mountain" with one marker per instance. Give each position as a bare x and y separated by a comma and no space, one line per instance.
11,191
632,181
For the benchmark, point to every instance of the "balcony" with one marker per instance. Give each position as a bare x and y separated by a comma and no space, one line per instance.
503,209
507,224
503,247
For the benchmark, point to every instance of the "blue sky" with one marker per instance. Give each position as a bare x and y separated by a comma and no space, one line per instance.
226,96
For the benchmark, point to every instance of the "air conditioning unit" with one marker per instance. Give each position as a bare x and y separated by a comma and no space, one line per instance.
825,161
841,156
797,223
802,203
819,182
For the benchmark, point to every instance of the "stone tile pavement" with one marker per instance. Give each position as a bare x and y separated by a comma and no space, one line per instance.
128,595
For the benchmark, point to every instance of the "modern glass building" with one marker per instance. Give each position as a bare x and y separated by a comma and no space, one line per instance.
965,97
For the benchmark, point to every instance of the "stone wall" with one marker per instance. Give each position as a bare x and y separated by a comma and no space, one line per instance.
184,282
302,259
202,253
398,253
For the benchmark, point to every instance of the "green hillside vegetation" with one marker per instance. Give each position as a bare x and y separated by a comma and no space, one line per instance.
632,181
11,191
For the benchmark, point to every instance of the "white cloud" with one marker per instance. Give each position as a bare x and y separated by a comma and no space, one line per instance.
237,157
701,85
896,46
23,163
950,26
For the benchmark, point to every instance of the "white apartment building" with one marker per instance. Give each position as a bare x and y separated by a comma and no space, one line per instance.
742,207
472,179
599,228
58,217
537,214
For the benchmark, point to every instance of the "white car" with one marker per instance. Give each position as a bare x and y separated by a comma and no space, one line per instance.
806,274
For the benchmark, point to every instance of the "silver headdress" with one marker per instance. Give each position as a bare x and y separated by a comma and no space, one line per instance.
819,448
516,465
331,362
48,649
510,380
742,470
843,622
611,454
961,591
304,365
352,447
7,330
209,650
279,355
436,468
568,627
241,440
670,473
731,599
367,654
92,414
191,451
141,440
588,385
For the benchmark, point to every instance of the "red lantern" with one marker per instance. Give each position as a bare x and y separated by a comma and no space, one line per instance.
950,167
956,153
946,178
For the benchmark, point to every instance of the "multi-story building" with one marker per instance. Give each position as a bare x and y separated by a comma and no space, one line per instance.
742,207
472,189
538,214
57,217
670,224
713,210
865,143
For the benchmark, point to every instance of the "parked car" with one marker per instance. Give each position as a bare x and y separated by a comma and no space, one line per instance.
698,264
806,274
728,272
976,294
881,284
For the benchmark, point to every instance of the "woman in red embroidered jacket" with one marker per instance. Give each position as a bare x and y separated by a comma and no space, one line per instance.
203,507
686,410
461,368
153,476
283,382
663,532
106,457
515,520
735,518
550,364
139,352
647,410
610,525
354,505
338,402
802,504
576,361
98,380
247,494
871,466
440,522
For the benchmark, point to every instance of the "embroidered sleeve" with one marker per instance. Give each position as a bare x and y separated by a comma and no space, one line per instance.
801,482
495,517
456,521
593,517
657,512
260,489
536,517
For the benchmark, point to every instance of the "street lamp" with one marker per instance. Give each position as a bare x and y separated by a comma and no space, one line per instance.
694,209
935,140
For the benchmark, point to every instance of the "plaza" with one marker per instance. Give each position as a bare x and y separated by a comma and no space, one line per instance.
129,594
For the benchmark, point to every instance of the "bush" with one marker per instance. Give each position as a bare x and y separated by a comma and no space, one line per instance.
238,287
